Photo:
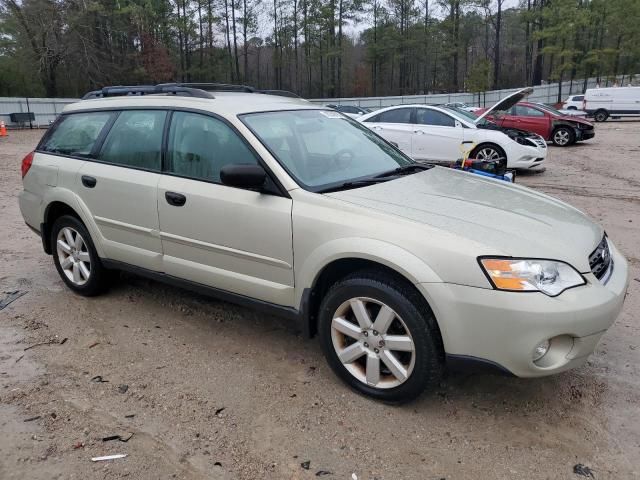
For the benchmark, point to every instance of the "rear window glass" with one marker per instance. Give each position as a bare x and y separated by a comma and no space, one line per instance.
76,133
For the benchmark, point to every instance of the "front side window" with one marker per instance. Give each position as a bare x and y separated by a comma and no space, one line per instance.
524,111
76,133
320,148
135,140
426,116
200,145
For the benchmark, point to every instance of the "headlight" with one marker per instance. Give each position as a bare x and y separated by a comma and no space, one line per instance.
529,275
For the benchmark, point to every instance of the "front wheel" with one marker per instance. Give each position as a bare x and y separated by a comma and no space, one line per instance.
487,152
380,337
563,136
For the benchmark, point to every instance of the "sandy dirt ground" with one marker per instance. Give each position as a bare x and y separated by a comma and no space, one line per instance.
211,390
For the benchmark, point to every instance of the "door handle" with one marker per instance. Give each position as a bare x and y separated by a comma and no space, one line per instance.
175,199
88,181
378,128
419,132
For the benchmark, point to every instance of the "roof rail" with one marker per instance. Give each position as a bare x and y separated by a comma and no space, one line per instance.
170,88
213,87
229,87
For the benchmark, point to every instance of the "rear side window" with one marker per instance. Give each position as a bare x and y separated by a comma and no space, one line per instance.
579,98
135,140
398,115
425,116
76,133
200,145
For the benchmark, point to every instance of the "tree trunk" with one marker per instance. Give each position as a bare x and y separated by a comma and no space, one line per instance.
228,35
235,41
496,63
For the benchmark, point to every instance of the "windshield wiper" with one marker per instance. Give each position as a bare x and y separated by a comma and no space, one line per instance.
355,184
404,170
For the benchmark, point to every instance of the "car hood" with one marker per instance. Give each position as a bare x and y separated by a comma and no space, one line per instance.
507,219
507,102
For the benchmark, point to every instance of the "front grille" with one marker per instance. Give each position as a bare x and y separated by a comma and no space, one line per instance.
600,260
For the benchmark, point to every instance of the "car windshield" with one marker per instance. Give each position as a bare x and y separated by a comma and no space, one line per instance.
322,148
469,116
549,109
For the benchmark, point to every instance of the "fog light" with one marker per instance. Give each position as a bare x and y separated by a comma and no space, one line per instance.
540,351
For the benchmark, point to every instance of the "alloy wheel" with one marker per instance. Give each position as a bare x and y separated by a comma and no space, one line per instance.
373,343
561,137
73,256
487,153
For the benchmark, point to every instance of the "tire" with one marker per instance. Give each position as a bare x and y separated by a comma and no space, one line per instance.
563,136
487,151
601,116
417,363
78,264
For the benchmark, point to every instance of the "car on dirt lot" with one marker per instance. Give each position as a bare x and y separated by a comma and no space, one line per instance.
352,111
276,203
549,123
435,133
616,102
574,102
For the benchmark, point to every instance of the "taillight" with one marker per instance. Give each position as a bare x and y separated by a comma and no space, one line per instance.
26,163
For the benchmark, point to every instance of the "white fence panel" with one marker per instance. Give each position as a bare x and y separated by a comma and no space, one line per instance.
547,93
45,110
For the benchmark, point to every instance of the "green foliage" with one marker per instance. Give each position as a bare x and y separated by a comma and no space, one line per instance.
317,47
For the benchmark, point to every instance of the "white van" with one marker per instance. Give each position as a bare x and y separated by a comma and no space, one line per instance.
601,103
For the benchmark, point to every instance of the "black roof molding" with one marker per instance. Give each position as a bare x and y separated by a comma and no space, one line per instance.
199,90
138,90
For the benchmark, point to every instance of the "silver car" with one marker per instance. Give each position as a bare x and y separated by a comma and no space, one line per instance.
401,269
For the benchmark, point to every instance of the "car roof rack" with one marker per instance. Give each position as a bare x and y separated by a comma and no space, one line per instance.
230,87
139,90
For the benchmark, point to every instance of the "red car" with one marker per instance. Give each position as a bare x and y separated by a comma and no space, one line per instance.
546,121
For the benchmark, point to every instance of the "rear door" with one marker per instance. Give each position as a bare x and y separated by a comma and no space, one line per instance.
229,238
119,187
395,126
436,136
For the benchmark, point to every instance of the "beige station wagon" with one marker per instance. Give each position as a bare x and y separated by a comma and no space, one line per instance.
401,268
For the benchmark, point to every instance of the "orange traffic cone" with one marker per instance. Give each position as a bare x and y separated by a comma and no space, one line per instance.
3,130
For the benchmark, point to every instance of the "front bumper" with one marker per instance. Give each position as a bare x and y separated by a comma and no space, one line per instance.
525,157
504,328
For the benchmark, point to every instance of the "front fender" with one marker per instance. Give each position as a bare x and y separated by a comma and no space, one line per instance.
392,256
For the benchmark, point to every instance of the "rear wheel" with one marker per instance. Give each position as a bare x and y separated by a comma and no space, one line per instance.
75,257
380,337
563,136
601,115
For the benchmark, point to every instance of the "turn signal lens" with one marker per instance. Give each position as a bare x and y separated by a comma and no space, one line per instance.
522,275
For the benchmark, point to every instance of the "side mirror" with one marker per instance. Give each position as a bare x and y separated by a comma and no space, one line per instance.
243,176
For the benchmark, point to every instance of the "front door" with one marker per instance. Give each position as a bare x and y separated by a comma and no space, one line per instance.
229,238
436,136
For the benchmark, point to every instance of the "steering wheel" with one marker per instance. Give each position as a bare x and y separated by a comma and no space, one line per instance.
343,158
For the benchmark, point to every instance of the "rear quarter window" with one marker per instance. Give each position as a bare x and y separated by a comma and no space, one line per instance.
76,134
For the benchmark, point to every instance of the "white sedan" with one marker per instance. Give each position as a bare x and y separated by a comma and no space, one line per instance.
435,134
